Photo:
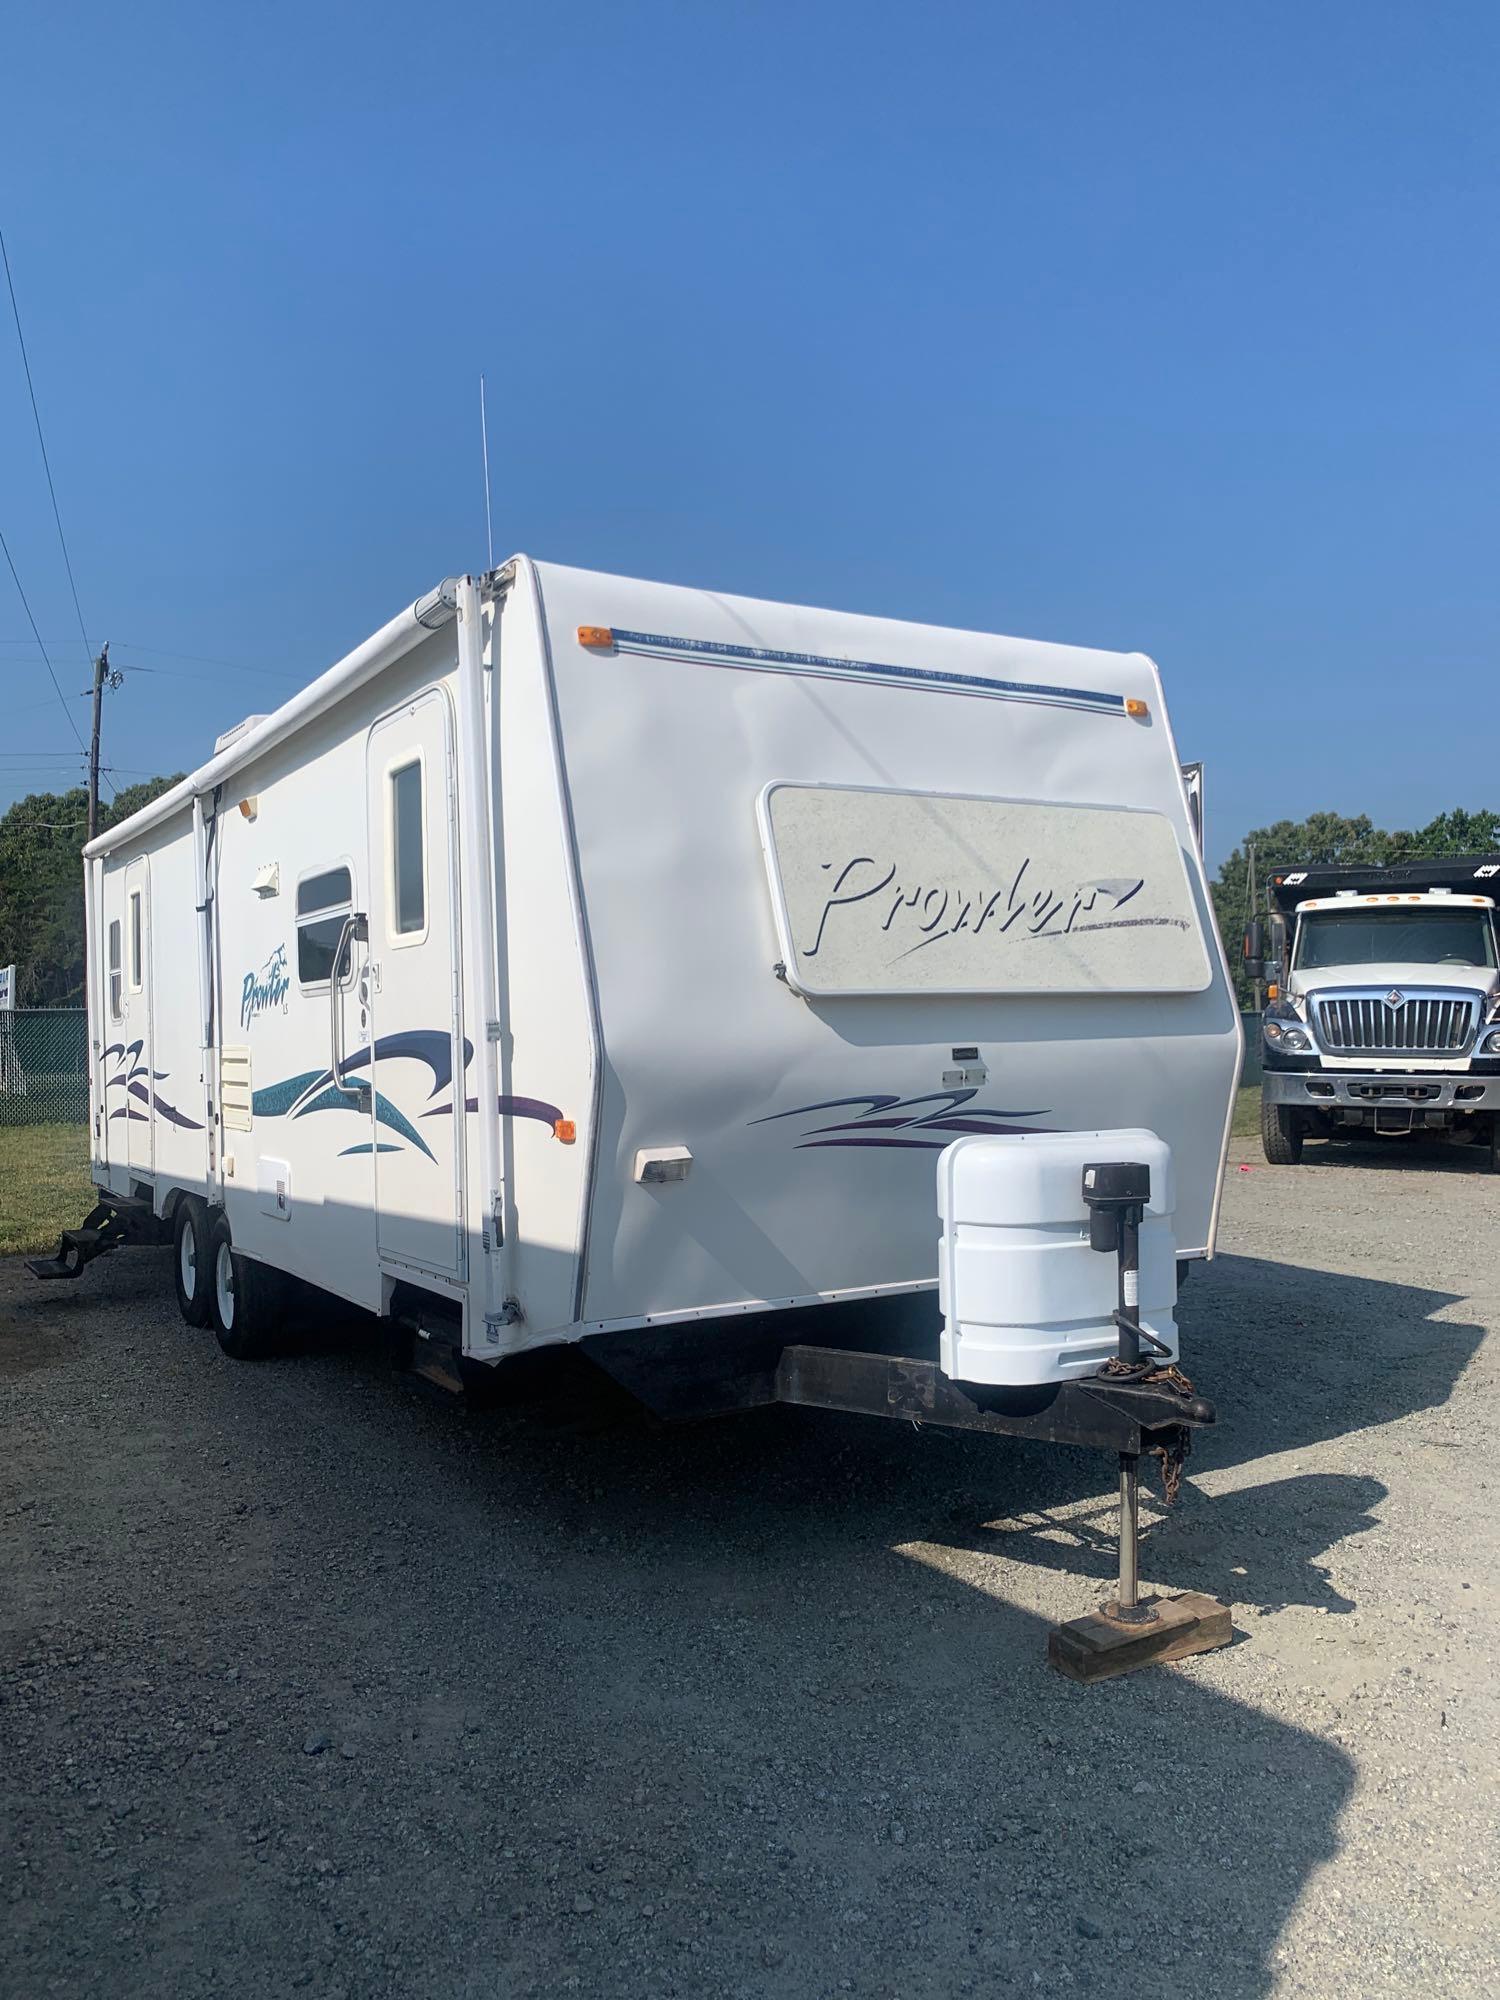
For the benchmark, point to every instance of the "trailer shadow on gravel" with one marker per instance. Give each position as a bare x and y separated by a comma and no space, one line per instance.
1294,1356
756,1707
1411,1154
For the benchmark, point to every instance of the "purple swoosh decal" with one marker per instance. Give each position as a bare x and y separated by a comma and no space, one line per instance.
883,1102
507,1107
891,1145
173,1116
886,1118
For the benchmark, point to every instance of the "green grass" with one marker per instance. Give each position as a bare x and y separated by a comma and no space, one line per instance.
44,1185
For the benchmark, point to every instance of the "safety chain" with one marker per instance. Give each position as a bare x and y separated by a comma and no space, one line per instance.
1145,1374
1173,1456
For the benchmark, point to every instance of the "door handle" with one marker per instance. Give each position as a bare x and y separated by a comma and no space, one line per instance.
356,926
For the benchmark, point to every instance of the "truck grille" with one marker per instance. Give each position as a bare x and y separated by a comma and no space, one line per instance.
1351,1024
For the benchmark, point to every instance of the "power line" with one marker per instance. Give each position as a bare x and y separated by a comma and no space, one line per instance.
181,673
203,659
46,462
26,606
31,707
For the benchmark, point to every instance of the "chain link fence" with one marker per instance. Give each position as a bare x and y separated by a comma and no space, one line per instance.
44,1066
44,1132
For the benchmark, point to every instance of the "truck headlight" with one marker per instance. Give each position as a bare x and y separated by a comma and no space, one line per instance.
1489,1045
1288,1036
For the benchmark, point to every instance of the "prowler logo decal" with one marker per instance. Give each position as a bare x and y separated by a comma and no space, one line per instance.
265,989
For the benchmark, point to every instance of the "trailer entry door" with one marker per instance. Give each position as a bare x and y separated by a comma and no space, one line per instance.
135,1016
417,1066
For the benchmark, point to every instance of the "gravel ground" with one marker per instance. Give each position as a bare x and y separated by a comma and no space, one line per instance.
311,1684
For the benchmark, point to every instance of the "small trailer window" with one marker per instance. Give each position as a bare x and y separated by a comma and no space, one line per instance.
408,866
135,941
114,969
323,902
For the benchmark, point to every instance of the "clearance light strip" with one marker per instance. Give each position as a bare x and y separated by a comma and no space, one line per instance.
760,659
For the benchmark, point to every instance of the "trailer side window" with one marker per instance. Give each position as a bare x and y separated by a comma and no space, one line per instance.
114,969
135,940
323,902
408,865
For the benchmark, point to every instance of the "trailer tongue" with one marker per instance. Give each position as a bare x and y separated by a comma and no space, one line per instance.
1026,1308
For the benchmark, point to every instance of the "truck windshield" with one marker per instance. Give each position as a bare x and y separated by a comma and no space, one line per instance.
1394,937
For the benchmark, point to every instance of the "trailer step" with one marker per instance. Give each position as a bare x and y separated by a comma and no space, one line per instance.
110,1225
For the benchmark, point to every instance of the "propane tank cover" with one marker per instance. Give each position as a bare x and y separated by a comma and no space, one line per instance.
1025,1298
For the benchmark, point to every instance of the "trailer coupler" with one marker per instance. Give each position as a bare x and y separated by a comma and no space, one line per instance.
1128,1413
1134,1410
111,1225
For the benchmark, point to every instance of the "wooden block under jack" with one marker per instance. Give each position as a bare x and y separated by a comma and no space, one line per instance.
1096,1647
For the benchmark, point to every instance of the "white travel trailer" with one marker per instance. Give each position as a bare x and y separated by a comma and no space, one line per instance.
583,956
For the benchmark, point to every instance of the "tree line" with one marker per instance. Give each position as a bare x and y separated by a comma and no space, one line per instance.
41,887
1328,840
41,877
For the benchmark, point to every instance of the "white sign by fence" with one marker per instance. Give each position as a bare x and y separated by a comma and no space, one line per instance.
908,892
7,986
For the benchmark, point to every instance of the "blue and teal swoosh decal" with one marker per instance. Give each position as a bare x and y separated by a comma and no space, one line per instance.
277,1099
386,1113
314,1089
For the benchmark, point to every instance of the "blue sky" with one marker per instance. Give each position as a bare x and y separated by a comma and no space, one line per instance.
1165,326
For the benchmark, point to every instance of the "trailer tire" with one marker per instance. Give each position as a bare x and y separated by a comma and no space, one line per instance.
246,1301
192,1260
1280,1134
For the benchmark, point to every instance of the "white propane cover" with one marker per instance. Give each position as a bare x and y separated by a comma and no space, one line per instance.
1024,1298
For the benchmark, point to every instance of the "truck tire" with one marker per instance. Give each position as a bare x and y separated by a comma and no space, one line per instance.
1280,1134
1492,1148
192,1260
247,1299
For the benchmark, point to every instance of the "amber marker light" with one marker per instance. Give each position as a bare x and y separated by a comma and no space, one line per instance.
1136,707
564,1129
595,635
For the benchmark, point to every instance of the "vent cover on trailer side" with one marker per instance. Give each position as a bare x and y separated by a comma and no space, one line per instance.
235,1089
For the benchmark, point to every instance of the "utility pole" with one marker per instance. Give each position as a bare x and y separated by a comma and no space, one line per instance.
1260,997
104,677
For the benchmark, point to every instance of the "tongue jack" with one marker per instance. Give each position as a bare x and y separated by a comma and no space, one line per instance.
1117,1193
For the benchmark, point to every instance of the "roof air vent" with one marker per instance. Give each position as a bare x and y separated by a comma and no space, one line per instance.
233,735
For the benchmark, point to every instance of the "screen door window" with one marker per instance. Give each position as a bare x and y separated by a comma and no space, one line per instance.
408,855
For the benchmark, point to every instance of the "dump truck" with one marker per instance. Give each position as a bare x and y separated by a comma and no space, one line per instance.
1382,1011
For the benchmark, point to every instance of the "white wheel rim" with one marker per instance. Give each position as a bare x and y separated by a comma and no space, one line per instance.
224,1285
187,1259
